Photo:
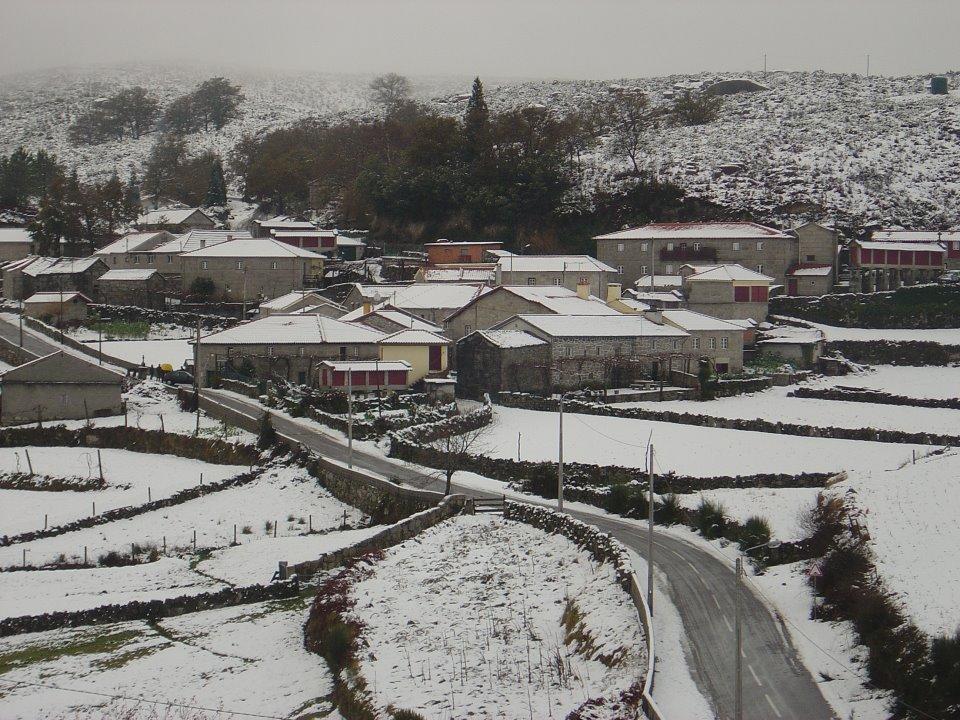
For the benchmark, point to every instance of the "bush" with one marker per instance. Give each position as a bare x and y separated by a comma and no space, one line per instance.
405,715
336,645
755,531
267,436
711,519
670,511
203,288
621,498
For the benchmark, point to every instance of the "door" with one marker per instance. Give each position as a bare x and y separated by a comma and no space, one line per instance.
791,286
436,358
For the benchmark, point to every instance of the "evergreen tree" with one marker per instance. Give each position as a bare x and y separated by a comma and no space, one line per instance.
476,124
49,226
81,215
131,198
217,189
112,204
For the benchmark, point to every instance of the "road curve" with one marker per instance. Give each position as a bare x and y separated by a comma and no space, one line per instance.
776,685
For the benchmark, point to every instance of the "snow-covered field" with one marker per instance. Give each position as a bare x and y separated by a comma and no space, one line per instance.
916,382
241,660
150,352
775,406
943,336
911,517
466,621
783,508
286,495
129,475
684,449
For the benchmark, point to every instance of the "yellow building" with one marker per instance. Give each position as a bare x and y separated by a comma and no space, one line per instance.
426,352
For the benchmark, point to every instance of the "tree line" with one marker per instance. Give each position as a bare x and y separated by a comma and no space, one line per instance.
134,111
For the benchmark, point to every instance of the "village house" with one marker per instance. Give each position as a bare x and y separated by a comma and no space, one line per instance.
949,239
364,376
300,300
250,268
350,248
426,352
482,273
389,319
15,243
444,252
33,274
726,291
319,241
503,361
57,308
280,223
801,347
567,271
166,256
144,287
130,250
886,265
604,350
176,220
60,386
428,301
718,340
815,271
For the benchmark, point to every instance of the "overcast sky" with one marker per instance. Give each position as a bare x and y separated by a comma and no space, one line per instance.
493,38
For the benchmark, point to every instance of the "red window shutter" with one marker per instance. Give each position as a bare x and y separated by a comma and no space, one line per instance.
922,257
741,294
893,257
866,256
309,242
377,377
758,293
879,257
359,377
906,257
398,377
339,378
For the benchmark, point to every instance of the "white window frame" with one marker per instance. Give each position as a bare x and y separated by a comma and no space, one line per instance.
239,264
696,246
531,281
619,247
620,269
760,268
713,343
274,265
736,247
149,259
669,269
556,281
724,343
136,259
169,258
669,247
643,247
696,343
204,265
759,244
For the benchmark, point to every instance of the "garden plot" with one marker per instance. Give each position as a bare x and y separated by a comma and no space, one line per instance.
683,449
128,477
151,352
783,508
775,406
37,592
942,336
467,620
916,382
245,659
911,516
284,495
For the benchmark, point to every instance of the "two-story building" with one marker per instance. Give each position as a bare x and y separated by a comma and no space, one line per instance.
444,252
130,250
887,265
949,239
33,274
729,292
718,340
176,220
15,243
567,271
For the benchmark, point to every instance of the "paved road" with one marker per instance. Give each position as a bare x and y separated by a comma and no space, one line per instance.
31,343
776,685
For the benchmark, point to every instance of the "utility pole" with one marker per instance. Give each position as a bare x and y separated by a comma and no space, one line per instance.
764,64
196,378
650,530
21,325
99,339
739,689
244,292
560,461
518,446
350,417
868,66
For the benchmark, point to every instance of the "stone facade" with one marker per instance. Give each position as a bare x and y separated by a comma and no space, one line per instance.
597,280
148,292
258,277
717,300
486,367
817,244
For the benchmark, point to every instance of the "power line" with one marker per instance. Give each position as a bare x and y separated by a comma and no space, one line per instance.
608,437
168,703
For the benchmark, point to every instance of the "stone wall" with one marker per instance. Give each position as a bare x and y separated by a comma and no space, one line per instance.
887,352
921,306
86,349
864,395
132,313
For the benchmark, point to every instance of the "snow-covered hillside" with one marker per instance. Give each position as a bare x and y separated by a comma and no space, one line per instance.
863,149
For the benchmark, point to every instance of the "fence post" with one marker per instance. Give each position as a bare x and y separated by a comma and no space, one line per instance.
44,521
194,540
99,463
282,570
234,533
311,523
275,523
85,555
29,461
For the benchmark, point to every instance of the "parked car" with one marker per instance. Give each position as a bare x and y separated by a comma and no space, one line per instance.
950,277
178,377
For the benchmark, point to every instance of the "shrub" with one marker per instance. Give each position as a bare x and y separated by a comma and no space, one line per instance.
268,526
115,559
755,531
268,435
203,288
247,530
336,645
670,511
711,519
405,715
620,499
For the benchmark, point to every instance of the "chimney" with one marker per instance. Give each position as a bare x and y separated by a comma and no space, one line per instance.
583,289
367,307
229,238
613,292
203,242
655,316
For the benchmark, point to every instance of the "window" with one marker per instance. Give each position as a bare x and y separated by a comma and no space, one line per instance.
556,281
713,343
114,259
302,378
169,258
759,293
356,352
643,269
669,247
599,350
741,293
274,265
643,247
676,344
724,342
204,265
269,350
619,247
736,246
136,259
956,244
653,344
569,353
467,329
760,245
760,268
696,246
620,269
239,264
811,258
696,343
669,269
149,259
300,351
531,281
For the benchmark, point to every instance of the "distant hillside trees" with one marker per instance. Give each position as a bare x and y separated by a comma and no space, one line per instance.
130,112
213,103
390,90
172,172
632,122
691,109
25,176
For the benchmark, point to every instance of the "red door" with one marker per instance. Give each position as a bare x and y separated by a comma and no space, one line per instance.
435,358
791,286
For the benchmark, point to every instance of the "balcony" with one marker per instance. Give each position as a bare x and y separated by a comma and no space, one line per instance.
685,253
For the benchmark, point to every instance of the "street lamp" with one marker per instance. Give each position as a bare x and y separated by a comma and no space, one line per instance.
738,566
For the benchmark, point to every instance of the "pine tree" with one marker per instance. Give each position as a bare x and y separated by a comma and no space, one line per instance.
217,189
49,225
131,198
476,124
112,204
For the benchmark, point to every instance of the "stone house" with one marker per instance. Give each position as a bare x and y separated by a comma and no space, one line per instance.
481,273
720,341
815,270
176,220
60,386
444,252
661,248
429,301
144,288
286,346
319,241
33,274
166,256
299,300
605,350
57,307
801,347
389,319
280,223
729,292
424,351
567,271
502,361
15,243
248,269
131,250
350,248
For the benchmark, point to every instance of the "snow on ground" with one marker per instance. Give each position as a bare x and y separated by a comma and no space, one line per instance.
774,405
245,659
917,382
684,449
42,591
465,620
947,336
157,331
128,475
910,514
280,494
782,507
151,352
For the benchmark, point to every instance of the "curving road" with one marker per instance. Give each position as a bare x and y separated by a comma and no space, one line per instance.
776,685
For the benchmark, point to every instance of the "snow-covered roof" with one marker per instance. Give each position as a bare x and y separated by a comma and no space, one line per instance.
250,248
132,242
661,281
425,296
726,273
284,301
791,335
552,263
128,275
399,317
55,297
461,274
366,365
811,271
511,338
698,231
303,233
555,298
908,246
169,216
349,242
285,222
672,296
59,266
195,239
634,304
15,235
498,253
745,323
468,243
283,329
915,236
616,325
690,321
414,337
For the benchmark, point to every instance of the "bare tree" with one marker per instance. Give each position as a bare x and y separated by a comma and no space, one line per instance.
455,450
390,89
631,119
